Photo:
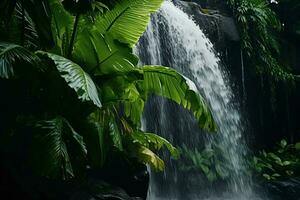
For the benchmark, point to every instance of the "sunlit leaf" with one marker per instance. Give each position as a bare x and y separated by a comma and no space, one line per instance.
167,82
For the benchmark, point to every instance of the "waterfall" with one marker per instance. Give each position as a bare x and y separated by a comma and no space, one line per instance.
243,78
173,39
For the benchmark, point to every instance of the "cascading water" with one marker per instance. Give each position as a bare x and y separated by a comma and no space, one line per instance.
173,39
243,78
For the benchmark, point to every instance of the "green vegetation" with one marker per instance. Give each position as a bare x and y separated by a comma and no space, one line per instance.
72,89
282,162
210,161
73,95
259,27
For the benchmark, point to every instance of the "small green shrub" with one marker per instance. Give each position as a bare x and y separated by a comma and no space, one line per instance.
209,161
282,162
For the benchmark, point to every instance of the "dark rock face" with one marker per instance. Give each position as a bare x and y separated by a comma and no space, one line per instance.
286,189
100,190
134,179
219,27
119,181
34,188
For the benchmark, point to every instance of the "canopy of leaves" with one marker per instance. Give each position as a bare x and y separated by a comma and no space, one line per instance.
259,27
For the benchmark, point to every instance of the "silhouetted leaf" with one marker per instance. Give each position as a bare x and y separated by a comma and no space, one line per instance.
76,77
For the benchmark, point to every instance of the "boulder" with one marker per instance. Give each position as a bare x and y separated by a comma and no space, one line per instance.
285,189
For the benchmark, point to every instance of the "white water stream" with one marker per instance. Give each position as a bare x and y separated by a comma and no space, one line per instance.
173,39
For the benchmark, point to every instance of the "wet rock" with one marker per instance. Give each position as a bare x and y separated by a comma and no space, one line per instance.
288,189
99,190
217,25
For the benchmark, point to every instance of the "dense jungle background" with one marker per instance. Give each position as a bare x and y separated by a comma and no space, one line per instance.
89,89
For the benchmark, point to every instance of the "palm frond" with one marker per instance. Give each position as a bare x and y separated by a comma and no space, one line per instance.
39,16
53,143
31,38
10,55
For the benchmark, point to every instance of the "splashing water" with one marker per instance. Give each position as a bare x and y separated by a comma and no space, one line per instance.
173,39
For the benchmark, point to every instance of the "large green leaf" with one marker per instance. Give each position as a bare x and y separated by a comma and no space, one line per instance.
146,156
141,144
101,54
122,89
153,141
53,146
115,89
115,134
133,87
127,20
76,77
10,55
105,47
167,82
133,104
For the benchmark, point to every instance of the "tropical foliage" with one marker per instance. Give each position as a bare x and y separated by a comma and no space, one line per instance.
210,162
282,162
259,27
73,91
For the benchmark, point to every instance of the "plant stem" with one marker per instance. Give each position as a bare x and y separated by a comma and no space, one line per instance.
73,35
